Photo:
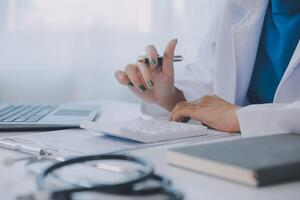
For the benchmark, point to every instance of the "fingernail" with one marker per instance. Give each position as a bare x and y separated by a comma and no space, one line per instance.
150,83
175,40
143,88
150,61
154,61
130,84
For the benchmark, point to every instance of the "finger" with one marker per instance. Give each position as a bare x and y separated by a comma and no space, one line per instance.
137,91
132,72
181,106
151,53
184,119
181,114
123,78
146,74
168,57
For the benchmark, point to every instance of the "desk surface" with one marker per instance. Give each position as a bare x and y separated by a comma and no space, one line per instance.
15,180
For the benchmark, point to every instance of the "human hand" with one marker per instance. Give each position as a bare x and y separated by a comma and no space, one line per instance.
211,111
152,83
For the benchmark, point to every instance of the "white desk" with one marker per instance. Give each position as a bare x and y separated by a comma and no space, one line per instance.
16,180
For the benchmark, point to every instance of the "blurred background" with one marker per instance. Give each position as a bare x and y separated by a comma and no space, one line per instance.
67,50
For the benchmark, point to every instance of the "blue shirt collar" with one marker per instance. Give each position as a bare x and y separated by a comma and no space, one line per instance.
285,6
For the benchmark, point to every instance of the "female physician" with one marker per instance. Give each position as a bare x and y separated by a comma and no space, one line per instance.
247,77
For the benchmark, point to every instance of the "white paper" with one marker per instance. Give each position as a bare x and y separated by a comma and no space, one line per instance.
74,142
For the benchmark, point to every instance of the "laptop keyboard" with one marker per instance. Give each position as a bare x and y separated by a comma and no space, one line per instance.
24,113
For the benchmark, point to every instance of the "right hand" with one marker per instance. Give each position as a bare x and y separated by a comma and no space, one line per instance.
152,83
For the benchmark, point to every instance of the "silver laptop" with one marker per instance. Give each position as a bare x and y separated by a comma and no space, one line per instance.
22,117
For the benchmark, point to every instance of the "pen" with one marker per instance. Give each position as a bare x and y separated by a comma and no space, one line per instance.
144,59
9,143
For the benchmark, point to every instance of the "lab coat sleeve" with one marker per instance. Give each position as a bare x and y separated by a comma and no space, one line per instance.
267,119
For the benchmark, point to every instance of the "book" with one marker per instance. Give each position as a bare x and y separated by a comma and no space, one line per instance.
255,161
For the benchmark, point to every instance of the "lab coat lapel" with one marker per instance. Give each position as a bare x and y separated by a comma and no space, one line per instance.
286,91
246,36
238,37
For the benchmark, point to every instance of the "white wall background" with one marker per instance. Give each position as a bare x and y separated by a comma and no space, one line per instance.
67,50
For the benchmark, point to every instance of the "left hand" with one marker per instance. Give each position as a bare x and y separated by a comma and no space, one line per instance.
212,111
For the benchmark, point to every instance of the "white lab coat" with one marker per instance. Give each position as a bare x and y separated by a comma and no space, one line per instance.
225,65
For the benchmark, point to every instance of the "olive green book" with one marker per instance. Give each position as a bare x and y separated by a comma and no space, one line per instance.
252,161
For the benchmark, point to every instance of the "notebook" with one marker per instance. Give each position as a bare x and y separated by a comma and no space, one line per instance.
252,161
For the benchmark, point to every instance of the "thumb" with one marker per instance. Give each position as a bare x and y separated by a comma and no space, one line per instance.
168,56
